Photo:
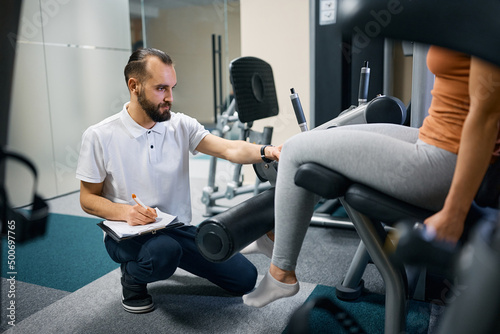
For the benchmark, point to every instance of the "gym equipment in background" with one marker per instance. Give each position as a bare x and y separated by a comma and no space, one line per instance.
15,224
254,98
381,109
225,234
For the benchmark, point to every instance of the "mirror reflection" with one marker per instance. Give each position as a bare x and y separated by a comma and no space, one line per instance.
202,37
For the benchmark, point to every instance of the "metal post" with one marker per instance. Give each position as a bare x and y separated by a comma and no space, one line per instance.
214,69
388,84
219,54
143,23
422,83
217,74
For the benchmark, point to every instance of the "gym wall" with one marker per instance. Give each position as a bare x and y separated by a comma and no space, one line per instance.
278,32
68,75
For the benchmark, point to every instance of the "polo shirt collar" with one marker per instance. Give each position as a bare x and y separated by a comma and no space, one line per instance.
135,129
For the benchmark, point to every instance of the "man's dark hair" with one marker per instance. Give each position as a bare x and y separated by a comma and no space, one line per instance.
136,66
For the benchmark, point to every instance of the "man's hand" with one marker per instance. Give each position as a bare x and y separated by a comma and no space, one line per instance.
273,152
94,203
137,215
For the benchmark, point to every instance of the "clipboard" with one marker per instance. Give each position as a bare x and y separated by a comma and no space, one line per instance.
113,235
120,230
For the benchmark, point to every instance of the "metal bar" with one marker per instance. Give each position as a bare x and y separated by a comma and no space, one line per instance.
388,72
395,297
214,68
220,73
143,23
422,83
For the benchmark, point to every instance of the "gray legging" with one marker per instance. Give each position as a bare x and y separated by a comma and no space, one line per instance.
386,157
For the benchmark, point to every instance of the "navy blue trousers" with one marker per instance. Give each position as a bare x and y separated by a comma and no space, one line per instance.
153,257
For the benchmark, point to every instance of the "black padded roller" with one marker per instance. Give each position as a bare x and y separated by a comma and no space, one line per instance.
226,233
385,109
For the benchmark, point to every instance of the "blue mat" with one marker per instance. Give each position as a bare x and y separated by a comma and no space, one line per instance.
69,256
368,311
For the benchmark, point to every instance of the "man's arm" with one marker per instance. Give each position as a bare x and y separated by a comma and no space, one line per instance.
92,202
476,146
237,151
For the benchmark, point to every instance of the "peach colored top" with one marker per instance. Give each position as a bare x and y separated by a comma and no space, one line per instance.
450,102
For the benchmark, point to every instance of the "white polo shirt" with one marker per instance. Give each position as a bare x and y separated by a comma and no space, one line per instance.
152,163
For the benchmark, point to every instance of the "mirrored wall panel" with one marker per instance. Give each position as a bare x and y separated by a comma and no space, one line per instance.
202,37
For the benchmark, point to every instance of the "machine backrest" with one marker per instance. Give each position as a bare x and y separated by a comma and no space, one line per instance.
254,90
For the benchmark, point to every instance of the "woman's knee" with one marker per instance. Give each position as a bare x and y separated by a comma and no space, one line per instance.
292,145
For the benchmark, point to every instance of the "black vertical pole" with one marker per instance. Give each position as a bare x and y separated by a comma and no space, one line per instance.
214,68
9,22
221,101
217,53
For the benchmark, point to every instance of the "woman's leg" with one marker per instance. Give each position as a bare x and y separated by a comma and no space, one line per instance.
386,157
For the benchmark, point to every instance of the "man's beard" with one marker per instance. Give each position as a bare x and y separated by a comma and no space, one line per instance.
153,111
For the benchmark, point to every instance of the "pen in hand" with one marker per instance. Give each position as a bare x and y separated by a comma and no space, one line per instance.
138,201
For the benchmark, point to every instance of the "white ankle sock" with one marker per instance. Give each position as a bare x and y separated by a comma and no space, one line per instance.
263,245
270,290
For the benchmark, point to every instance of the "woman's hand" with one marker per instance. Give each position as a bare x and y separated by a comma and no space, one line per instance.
447,225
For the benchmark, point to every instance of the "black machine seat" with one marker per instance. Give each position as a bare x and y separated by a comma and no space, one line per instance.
321,180
330,184
383,207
